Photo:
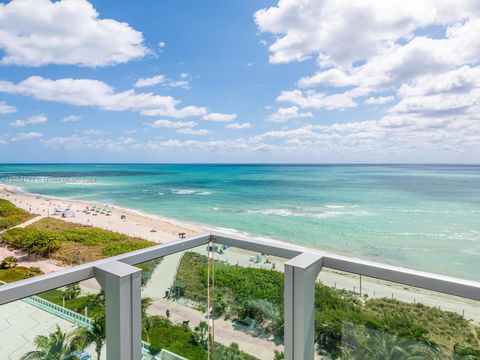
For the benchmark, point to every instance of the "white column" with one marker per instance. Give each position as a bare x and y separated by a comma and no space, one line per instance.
122,286
300,275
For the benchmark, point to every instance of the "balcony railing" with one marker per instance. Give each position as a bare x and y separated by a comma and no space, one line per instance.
121,282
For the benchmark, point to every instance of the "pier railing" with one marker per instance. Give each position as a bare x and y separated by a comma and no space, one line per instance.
121,282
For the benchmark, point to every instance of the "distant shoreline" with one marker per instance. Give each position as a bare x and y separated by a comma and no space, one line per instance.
191,228
252,164
138,224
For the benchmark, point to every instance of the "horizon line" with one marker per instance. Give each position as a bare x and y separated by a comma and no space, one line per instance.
240,163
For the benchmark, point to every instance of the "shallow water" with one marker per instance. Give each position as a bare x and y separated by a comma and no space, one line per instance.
419,216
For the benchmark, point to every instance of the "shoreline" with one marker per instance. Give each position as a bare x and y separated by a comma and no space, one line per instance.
140,225
195,227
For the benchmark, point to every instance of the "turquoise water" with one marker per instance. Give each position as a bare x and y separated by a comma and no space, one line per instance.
420,216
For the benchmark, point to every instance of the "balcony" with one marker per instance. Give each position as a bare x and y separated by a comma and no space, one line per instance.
307,277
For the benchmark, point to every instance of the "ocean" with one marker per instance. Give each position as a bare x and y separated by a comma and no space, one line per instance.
425,217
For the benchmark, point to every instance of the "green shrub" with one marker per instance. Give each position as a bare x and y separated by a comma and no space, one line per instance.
46,236
32,241
18,273
8,262
179,339
125,246
10,215
92,236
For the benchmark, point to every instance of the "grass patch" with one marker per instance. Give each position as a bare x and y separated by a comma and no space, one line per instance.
180,339
241,284
444,327
163,334
11,216
18,273
71,243
93,302
346,326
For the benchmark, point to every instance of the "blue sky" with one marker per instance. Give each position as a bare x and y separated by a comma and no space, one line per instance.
239,81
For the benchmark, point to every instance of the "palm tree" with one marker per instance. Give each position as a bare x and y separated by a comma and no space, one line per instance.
95,334
146,319
9,262
201,331
365,343
232,352
71,291
55,346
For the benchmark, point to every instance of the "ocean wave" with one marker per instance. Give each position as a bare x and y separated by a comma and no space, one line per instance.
189,192
317,213
182,191
472,251
338,206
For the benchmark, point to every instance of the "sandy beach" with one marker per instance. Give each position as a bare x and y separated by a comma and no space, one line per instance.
134,224
162,230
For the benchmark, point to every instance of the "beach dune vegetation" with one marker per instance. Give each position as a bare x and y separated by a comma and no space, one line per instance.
71,243
11,216
18,273
346,325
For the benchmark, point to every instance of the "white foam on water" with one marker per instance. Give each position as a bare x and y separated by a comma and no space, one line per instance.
183,191
189,192
318,213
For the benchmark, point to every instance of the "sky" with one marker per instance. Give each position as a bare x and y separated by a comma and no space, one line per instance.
308,81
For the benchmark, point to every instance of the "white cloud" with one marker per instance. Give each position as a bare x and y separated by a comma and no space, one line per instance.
458,81
426,52
183,83
41,32
331,77
6,109
316,100
71,118
151,81
284,114
94,132
32,120
392,135
26,136
87,92
238,126
379,100
451,95
218,117
161,44
325,29
398,64
190,131
83,142
173,124
218,146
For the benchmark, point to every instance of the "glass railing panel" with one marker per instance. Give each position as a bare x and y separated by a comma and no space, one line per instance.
67,322
174,293
359,317
246,303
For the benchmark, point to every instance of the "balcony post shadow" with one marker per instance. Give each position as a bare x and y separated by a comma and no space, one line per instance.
300,275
